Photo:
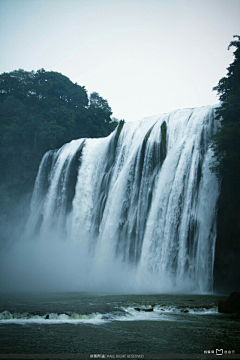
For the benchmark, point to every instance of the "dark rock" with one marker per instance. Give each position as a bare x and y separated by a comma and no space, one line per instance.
184,310
231,305
235,317
227,249
142,309
47,316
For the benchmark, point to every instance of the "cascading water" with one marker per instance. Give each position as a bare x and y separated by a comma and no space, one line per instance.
137,207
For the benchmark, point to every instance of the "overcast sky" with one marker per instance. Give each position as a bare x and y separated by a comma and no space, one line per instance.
145,57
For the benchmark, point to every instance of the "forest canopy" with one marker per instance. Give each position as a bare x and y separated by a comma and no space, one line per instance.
40,111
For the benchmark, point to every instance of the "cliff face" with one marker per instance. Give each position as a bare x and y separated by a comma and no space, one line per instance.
227,250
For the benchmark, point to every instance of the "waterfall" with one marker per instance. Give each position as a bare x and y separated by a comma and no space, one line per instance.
138,207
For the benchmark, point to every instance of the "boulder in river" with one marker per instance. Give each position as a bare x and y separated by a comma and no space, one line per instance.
231,305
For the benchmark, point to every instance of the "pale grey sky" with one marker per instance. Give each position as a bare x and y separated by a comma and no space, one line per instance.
145,57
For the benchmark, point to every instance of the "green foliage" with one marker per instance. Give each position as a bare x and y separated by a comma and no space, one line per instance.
226,143
40,111
100,113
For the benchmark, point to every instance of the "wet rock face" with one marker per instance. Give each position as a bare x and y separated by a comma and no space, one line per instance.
231,305
227,249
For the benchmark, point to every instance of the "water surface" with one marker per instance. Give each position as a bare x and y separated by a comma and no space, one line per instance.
87,323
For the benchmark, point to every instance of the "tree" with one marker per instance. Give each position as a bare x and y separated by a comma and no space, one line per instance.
100,113
40,111
226,143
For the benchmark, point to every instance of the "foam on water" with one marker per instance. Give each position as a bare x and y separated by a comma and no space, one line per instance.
130,313
51,318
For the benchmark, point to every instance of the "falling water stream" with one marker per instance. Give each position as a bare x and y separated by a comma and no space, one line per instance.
137,207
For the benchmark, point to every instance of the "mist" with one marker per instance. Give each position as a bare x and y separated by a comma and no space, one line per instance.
51,265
